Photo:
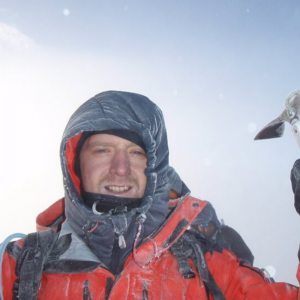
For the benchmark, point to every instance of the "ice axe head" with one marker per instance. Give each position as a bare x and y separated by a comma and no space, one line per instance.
291,114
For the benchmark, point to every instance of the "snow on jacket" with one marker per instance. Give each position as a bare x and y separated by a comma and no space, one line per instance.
79,263
151,273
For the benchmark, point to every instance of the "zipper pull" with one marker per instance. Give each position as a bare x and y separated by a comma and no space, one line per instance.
122,243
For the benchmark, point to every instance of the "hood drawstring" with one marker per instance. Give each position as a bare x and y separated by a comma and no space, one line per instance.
134,245
92,229
140,220
120,223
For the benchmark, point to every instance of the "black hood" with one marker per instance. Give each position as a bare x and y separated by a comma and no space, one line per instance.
124,111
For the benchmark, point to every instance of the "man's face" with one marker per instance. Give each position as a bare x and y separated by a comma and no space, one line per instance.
111,165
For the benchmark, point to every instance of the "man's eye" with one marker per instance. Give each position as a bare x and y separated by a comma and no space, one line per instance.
137,152
100,151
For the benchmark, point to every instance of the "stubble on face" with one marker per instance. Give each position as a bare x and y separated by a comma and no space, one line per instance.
114,166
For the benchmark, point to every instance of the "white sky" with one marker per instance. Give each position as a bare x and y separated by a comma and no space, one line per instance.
220,71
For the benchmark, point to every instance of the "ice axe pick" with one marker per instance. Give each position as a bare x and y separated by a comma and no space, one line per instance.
291,114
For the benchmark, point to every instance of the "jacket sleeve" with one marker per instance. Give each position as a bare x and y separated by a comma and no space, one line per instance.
239,281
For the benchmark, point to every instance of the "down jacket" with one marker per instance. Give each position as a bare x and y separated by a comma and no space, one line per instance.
151,272
76,255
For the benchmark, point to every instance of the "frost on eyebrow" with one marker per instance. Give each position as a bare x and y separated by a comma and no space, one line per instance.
127,144
101,144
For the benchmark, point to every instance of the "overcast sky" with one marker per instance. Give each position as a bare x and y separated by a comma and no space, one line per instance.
219,69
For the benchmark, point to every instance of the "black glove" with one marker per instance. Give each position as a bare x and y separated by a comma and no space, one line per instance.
295,179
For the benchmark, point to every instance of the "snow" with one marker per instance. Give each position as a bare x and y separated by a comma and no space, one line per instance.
66,12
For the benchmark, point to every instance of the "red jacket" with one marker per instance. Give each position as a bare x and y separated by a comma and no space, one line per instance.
151,272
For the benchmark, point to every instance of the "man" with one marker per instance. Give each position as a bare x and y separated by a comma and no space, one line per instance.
113,235
209,226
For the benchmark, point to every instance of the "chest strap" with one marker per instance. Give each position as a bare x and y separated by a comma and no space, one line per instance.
29,268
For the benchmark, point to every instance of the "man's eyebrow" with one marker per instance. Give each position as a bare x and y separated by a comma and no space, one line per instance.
97,143
107,144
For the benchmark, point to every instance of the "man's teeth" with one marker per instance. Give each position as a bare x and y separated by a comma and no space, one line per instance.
118,189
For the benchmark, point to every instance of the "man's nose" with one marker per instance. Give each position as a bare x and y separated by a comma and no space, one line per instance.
120,164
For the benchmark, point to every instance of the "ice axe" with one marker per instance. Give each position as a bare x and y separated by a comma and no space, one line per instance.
291,114
275,129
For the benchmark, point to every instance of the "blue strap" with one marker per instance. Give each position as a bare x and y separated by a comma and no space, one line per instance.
2,250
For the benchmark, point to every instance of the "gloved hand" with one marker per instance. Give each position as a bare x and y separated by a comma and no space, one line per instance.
295,180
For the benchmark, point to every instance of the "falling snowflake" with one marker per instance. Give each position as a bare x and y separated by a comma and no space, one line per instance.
271,270
66,12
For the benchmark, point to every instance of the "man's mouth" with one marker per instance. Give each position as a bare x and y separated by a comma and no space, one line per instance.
117,189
